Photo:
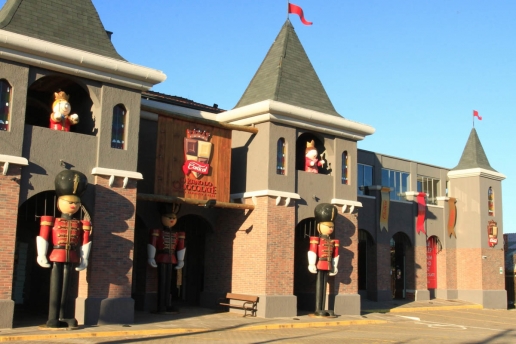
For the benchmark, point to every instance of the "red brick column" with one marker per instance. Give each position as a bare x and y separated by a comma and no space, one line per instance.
252,252
105,290
9,199
344,286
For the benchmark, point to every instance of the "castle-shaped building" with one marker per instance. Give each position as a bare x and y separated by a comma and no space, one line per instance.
406,229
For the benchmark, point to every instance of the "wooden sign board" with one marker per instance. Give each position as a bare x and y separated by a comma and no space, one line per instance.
192,160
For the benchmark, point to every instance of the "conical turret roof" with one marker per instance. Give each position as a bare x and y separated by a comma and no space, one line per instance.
473,155
287,75
72,23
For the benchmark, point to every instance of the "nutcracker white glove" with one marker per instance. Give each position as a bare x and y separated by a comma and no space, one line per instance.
151,253
180,259
85,253
42,246
312,258
335,263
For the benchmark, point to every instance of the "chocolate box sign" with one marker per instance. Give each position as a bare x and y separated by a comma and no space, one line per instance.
197,153
192,160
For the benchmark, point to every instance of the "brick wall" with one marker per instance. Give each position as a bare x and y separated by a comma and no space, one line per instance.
9,198
383,259
110,266
346,230
252,252
469,268
420,268
492,279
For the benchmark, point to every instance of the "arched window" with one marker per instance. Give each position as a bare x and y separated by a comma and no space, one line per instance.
118,127
281,157
490,202
5,105
345,170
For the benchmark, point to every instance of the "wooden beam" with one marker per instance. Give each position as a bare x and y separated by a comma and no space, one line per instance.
198,202
160,112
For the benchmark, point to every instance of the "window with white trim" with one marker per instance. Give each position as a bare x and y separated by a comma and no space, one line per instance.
430,186
5,104
398,182
118,127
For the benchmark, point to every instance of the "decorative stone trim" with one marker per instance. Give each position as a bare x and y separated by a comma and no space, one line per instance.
116,173
278,112
274,193
56,57
476,172
346,204
11,159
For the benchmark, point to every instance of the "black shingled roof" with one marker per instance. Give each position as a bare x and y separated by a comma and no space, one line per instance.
72,23
287,75
473,155
180,101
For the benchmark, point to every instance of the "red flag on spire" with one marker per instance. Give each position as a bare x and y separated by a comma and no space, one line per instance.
475,114
299,11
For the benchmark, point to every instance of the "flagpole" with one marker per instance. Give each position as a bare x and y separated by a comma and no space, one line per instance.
288,3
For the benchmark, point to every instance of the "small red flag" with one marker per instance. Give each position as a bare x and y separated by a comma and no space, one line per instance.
299,11
475,114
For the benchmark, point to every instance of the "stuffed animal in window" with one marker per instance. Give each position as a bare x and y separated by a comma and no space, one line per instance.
312,164
60,119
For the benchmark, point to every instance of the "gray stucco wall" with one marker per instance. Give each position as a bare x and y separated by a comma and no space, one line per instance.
120,159
44,148
11,142
277,181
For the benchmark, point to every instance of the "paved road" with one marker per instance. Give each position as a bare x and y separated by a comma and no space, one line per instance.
446,326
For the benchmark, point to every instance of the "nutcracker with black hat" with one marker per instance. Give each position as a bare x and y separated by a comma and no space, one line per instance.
166,248
62,243
323,255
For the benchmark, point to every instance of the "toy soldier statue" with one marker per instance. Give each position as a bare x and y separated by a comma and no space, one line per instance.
166,248
325,252
69,243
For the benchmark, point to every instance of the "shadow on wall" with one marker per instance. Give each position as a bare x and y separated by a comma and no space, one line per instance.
111,257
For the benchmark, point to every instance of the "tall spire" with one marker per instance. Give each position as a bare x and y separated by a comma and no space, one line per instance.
287,75
473,155
72,23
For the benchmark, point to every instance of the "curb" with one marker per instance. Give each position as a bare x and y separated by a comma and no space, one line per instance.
100,334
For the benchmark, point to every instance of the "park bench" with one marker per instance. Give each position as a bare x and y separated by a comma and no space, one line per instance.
249,302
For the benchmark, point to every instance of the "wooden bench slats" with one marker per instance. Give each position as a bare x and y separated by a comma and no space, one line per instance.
250,302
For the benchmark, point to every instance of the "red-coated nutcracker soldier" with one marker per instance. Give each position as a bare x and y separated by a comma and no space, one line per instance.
324,252
165,249
69,243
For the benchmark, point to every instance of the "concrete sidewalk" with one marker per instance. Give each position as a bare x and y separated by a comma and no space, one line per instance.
197,319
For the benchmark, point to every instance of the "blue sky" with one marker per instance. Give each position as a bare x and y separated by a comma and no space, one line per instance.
414,70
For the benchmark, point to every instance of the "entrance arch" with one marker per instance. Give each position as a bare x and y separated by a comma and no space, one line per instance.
367,267
402,263
304,281
195,228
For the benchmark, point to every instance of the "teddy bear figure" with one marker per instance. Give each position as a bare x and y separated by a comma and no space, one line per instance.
60,119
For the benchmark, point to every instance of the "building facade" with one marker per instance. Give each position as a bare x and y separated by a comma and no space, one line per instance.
407,229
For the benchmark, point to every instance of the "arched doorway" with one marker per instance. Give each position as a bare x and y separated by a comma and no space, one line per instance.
400,246
40,97
304,281
366,263
301,143
195,228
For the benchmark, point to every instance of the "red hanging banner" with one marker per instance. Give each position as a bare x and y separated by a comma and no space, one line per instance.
431,263
421,212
